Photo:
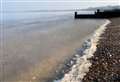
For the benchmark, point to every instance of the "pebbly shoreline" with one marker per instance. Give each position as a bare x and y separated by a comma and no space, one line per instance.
82,64
106,59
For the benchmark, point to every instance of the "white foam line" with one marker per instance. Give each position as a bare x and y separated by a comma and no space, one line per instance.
79,70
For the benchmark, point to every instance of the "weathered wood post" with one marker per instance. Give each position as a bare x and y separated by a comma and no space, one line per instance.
75,16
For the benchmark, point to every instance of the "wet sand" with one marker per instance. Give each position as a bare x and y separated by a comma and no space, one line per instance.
106,60
32,54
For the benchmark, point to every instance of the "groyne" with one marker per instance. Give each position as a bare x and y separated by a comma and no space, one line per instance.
100,14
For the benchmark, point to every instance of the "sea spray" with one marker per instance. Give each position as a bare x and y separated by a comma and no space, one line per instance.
79,70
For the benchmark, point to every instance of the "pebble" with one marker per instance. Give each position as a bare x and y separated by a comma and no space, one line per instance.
106,60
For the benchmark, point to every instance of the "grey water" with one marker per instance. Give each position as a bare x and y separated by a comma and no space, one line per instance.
34,44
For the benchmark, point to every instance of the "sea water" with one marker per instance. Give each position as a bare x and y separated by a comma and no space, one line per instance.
34,44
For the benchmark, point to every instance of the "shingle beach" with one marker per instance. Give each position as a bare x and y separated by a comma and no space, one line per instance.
101,57
106,60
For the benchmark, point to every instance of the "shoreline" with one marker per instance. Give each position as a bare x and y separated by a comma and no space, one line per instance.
50,49
106,60
80,59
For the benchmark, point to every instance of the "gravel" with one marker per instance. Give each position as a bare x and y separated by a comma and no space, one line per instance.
106,60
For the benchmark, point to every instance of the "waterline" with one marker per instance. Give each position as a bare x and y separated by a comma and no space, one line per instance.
79,70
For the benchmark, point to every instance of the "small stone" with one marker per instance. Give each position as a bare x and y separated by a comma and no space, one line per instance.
34,78
110,55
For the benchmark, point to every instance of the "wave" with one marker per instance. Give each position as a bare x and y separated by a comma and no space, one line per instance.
79,70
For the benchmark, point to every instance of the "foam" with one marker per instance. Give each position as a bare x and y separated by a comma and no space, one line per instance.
79,70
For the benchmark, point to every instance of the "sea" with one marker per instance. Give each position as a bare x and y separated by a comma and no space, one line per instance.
34,44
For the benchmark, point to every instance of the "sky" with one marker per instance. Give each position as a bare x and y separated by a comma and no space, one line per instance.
24,5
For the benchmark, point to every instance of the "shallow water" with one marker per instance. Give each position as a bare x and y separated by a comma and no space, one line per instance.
33,47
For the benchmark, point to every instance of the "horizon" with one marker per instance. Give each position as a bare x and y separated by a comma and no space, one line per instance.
27,5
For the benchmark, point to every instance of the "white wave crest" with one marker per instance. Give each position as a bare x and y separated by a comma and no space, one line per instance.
79,70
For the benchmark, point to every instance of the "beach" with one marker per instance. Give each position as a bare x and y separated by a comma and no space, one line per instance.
34,49
59,41
106,60
101,61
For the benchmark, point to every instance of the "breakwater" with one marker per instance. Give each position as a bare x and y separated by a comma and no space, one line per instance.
99,14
